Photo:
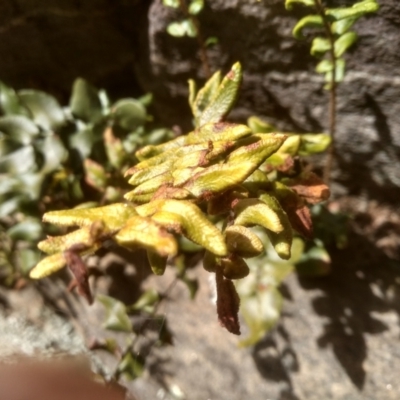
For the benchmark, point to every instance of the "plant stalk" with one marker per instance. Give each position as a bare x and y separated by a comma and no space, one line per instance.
332,93
200,39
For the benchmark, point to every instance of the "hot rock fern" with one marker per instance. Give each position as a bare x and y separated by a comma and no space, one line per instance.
211,186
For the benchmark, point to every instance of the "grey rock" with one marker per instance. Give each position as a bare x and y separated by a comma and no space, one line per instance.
280,83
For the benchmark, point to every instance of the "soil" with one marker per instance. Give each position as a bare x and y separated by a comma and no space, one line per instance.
337,337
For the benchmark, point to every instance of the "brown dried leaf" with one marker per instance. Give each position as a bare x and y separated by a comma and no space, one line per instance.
168,192
228,303
80,273
234,267
300,219
298,213
310,187
226,201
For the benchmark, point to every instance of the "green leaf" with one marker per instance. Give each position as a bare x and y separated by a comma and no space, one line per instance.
224,97
324,66
18,162
290,146
8,185
117,318
54,153
114,216
144,232
19,128
192,94
131,365
190,28
30,230
256,153
210,41
357,10
250,212
339,73
116,153
160,135
195,6
7,146
27,259
151,151
182,28
310,21
312,143
58,244
344,42
129,114
308,3
243,241
85,101
217,178
261,312
257,125
147,300
82,142
186,217
282,239
146,99
315,262
10,103
176,29
157,263
45,109
171,3
95,174
205,95
31,184
9,206
320,46
222,131
48,266
342,26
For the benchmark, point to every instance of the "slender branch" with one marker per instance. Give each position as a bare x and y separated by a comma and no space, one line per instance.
332,90
200,39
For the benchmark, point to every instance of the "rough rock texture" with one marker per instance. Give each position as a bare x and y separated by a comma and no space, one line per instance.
280,82
47,44
123,46
338,338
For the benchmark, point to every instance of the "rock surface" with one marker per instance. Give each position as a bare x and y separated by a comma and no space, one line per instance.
338,338
123,46
280,83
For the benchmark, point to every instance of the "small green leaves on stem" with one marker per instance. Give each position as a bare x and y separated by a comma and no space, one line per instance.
335,23
357,10
182,28
289,3
310,21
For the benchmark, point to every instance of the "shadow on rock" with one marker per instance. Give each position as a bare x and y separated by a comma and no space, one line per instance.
275,363
362,282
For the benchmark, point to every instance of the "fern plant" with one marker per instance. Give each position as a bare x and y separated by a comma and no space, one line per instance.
189,26
211,186
337,37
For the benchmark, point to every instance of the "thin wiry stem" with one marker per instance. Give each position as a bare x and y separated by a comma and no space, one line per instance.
200,39
332,91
